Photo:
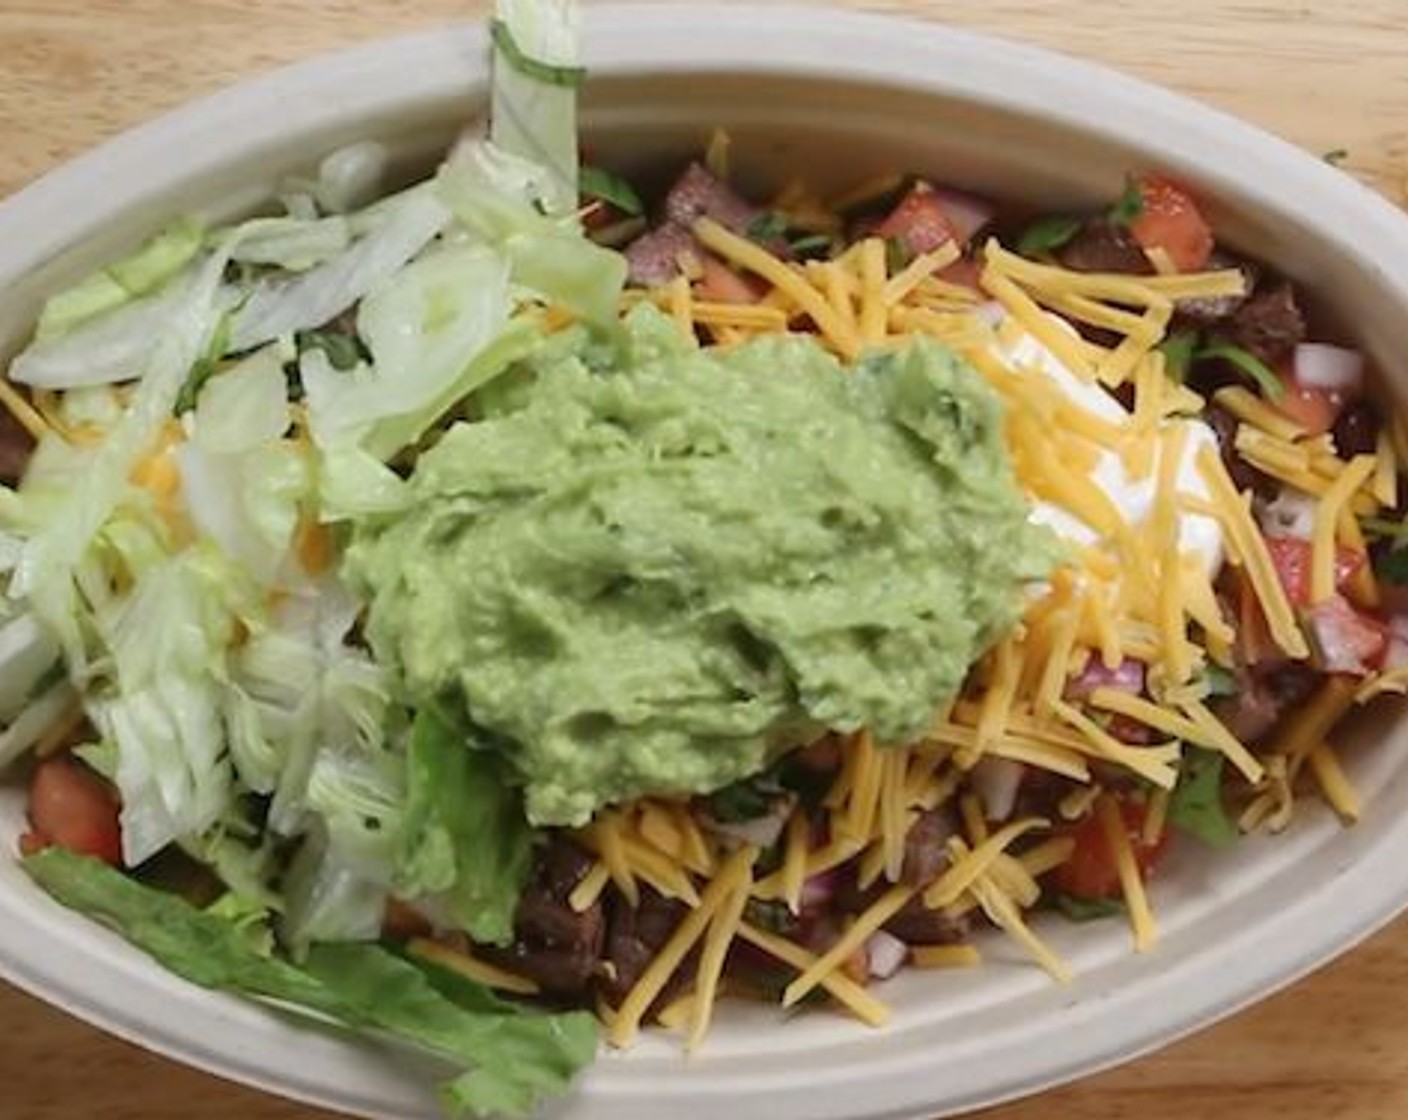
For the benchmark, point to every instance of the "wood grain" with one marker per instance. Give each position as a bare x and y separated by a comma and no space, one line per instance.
1323,74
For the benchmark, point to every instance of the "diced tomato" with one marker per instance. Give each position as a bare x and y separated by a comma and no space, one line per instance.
1091,872
1170,220
401,923
918,222
965,272
597,214
722,285
1313,408
1346,640
1290,556
72,808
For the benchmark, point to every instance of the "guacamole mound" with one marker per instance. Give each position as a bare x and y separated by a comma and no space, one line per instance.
647,568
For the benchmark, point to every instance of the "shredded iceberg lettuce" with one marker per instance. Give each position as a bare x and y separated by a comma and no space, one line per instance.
140,274
220,401
536,73
280,306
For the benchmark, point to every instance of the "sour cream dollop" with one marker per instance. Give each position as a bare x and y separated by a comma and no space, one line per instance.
1198,534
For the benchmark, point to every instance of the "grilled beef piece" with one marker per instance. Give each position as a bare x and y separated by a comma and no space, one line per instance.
1209,311
1264,697
1356,430
1102,246
16,446
1244,476
555,945
1269,325
915,924
634,935
918,925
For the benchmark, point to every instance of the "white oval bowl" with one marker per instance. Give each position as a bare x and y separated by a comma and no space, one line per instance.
836,96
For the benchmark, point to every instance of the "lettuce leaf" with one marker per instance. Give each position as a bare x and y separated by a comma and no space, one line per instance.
52,556
103,349
244,406
490,192
295,245
517,1058
533,108
168,644
424,328
464,835
326,899
132,277
402,227
1196,806
336,889
28,655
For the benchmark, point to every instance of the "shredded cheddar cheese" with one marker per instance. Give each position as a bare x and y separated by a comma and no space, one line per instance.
1136,900
1251,548
1327,519
722,931
881,911
972,864
946,956
734,874
860,1002
756,259
1333,782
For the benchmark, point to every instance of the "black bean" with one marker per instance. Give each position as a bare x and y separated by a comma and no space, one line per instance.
1244,476
1356,431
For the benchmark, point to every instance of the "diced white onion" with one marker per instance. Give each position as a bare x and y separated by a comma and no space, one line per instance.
990,312
1289,514
966,214
1318,365
885,954
997,781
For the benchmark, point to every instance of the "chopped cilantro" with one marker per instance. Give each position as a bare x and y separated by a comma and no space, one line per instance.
343,350
1393,566
1382,529
1178,350
204,368
1087,909
1248,363
767,226
593,182
1043,236
1336,156
743,801
774,917
897,254
812,244
1220,681
1390,564
1130,204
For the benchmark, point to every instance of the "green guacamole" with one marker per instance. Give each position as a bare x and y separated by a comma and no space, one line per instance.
650,567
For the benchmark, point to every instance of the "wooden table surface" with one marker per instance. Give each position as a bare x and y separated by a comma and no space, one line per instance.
1323,73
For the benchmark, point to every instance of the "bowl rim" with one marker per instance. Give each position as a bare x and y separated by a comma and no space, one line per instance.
791,41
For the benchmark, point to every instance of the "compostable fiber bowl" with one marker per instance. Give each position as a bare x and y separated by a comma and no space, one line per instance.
832,97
